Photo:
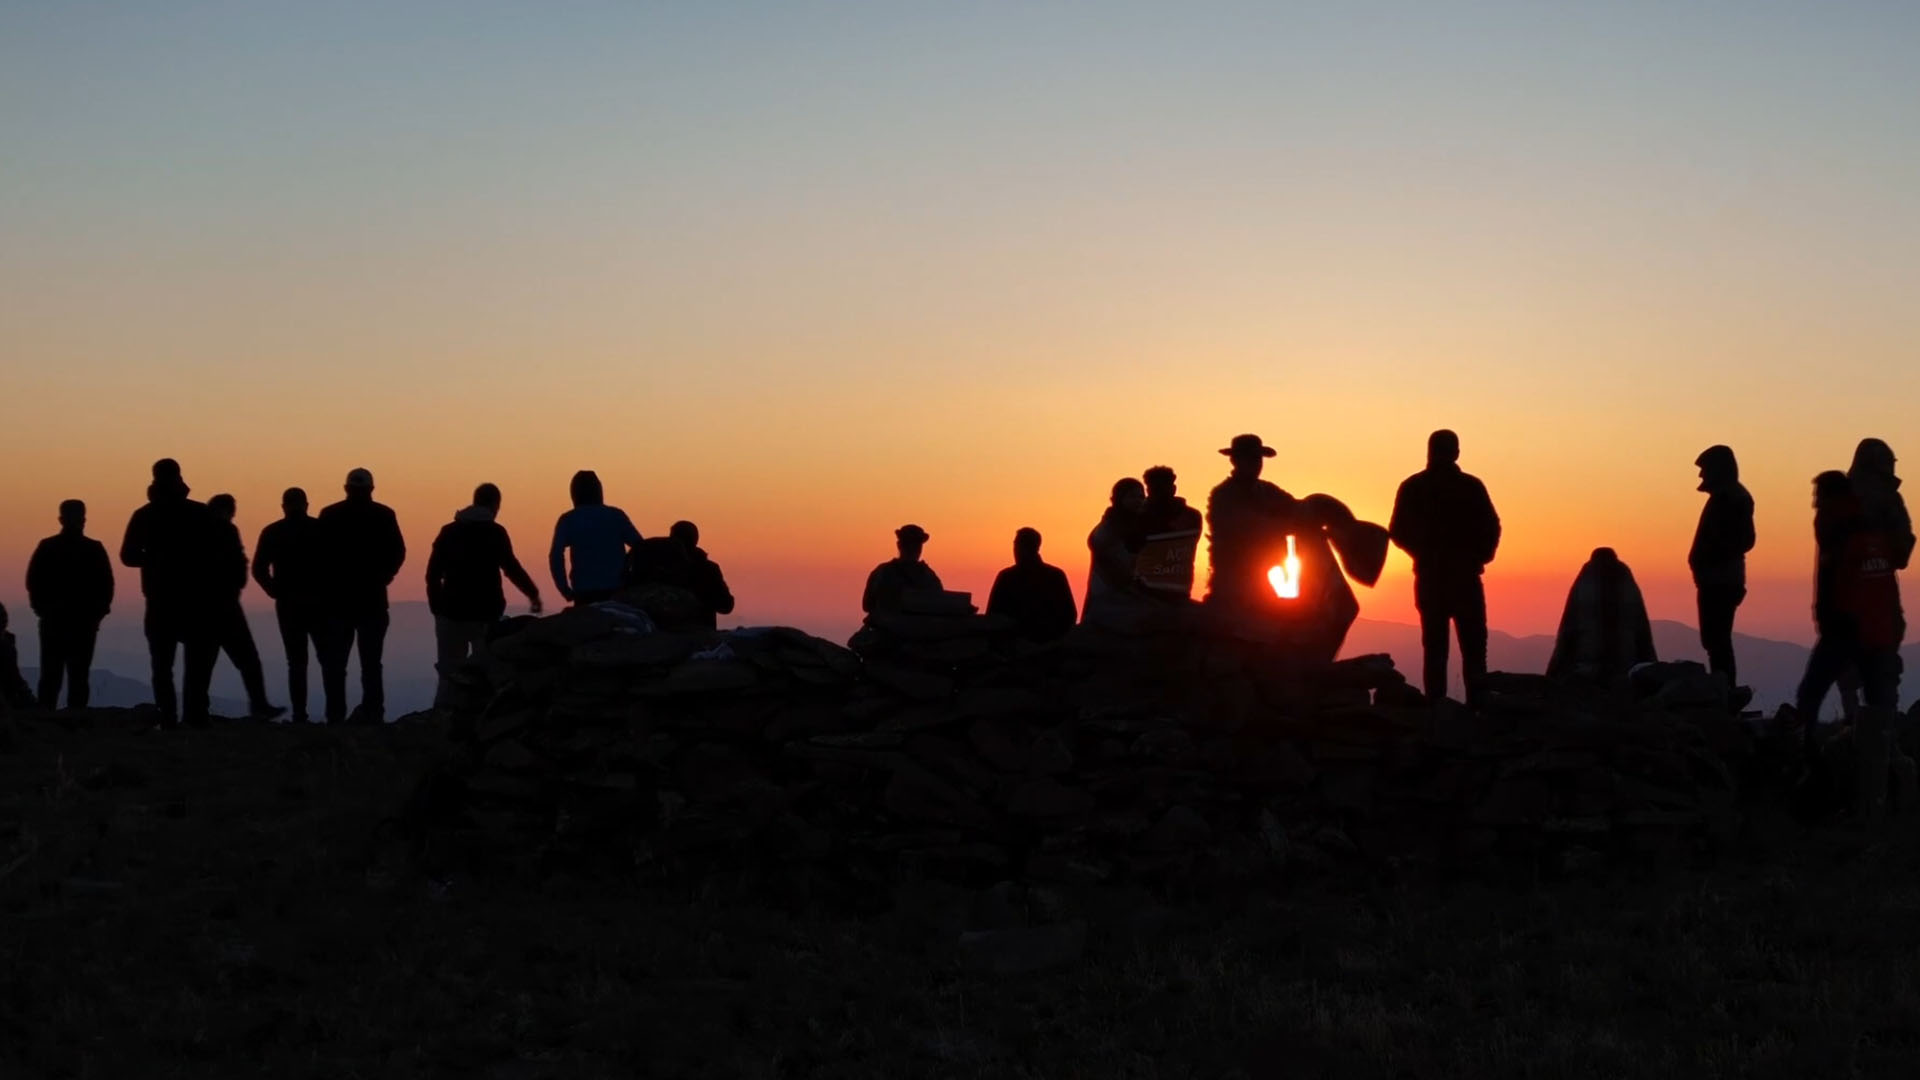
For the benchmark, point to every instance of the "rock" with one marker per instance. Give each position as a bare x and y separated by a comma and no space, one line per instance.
1023,951
1046,798
1179,830
915,794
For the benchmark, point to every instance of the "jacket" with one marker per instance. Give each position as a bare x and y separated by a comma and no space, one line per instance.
1036,598
231,567
287,561
598,537
892,579
70,578
1115,598
362,552
463,571
1725,534
1444,519
1247,525
173,542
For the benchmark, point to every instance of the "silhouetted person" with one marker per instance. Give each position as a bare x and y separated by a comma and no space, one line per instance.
1032,594
70,587
1718,557
1171,530
892,580
363,550
288,566
1444,520
702,575
463,584
1116,597
173,542
1865,538
14,691
1248,520
236,636
1604,630
597,537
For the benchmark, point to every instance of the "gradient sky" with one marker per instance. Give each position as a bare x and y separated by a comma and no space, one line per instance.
802,272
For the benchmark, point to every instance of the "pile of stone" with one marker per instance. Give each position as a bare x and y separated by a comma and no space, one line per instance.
596,742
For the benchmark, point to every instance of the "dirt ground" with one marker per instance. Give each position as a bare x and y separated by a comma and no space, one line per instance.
238,902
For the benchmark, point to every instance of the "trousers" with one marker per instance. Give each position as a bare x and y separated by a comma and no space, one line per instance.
1456,602
66,655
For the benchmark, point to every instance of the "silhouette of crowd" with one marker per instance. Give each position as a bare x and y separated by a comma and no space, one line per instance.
1281,568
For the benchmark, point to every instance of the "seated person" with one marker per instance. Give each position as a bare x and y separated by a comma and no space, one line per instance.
889,583
1604,632
1034,595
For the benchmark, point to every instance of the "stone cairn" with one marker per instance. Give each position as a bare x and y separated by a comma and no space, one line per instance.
594,742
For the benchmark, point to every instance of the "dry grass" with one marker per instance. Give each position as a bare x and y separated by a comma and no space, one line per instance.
231,902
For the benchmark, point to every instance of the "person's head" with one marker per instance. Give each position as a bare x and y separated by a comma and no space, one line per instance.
166,469
1830,486
73,516
1026,546
223,506
167,482
685,533
1873,458
1443,448
487,497
293,502
360,484
911,540
586,489
1129,495
1161,483
1717,467
1249,455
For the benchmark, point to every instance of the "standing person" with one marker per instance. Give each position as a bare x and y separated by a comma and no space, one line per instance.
1718,558
702,575
286,565
889,582
1033,594
230,619
1116,597
1444,519
70,587
1247,524
1171,530
1862,541
597,536
363,551
173,543
463,584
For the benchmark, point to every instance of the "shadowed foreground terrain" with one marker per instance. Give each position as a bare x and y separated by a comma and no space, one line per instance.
237,902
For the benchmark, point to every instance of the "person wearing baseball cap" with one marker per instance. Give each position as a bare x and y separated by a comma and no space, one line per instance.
363,550
892,579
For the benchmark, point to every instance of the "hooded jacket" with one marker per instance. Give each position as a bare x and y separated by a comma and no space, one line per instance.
1604,630
173,542
1881,504
70,578
1725,534
463,571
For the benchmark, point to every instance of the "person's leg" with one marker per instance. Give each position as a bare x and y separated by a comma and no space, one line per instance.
1873,733
1470,622
240,646
293,641
1832,654
450,651
334,642
1435,616
201,641
163,639
1716,606
80,646
53,663
372,632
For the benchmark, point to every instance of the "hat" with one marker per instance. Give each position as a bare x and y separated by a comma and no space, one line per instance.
360,478
911,532
1249,444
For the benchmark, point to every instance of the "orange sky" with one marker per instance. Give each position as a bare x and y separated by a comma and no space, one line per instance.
802,278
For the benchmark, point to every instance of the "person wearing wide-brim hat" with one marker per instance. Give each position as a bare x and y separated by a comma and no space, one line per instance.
1245,515
891,580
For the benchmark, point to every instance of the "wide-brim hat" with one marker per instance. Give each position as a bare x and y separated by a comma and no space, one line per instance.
911,532
1249,444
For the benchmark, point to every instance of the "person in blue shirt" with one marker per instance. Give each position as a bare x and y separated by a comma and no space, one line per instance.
598,536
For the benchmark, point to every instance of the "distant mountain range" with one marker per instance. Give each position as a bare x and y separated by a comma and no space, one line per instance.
1772,668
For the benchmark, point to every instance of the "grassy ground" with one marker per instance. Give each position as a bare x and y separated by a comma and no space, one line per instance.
233,903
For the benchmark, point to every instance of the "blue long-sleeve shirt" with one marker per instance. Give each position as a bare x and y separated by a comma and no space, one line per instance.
599,537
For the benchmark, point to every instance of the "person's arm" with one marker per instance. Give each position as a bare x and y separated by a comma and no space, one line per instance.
1903,539
1000,595
722,597
630,535
38,594
133,546
264,554
240,564
517,574
1492,520
557,559
396,547
872,595
1065,612
1401,526
436,559
103,573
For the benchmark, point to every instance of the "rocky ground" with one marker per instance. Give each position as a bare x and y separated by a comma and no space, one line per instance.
733,880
